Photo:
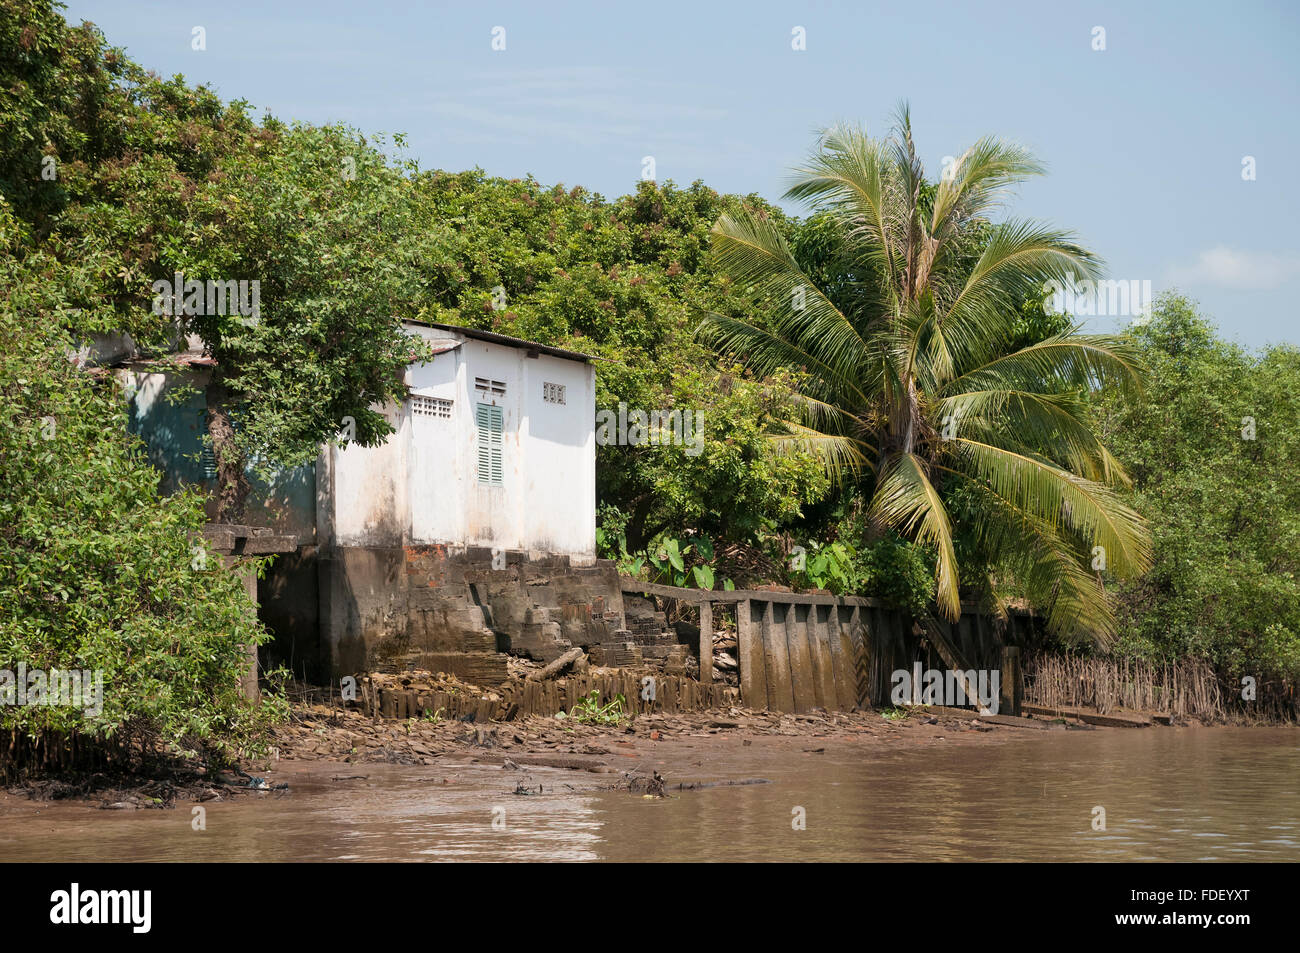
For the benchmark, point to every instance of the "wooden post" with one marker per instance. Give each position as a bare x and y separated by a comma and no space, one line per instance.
819,643
776,655
860,651
706,642
248,686
753,670
1009,690
234,542
846,686
802,675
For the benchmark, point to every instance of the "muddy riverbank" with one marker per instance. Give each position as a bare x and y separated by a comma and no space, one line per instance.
344,742
844,787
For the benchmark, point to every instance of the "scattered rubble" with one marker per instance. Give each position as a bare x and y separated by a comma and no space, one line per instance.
334,732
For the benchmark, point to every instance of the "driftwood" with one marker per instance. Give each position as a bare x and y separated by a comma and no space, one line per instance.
574,657
696,785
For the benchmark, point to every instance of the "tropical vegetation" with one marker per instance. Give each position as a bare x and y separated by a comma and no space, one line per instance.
888,406
916,388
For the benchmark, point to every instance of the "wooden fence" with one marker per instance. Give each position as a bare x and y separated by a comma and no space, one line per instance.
800,651
521,698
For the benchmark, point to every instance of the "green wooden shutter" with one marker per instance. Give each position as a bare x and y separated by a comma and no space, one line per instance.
490,441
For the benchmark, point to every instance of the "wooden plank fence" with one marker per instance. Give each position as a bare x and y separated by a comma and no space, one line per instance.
672,694
799,651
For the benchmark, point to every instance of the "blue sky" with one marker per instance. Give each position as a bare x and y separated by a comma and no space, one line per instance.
1144,140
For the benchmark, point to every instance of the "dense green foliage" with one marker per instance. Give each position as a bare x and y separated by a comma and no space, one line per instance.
1213,449
926,388
128,179
96,571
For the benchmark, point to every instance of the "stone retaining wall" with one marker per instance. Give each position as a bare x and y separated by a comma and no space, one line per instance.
462,611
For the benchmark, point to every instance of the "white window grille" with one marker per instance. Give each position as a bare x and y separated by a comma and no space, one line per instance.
489,386
423,406
553,393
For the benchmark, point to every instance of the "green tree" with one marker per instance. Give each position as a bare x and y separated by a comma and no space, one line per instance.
1213,449
97,572
154,178
915,386
321,220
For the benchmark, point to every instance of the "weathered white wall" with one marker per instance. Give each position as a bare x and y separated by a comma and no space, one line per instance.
366,493
559,458
422,486
436,470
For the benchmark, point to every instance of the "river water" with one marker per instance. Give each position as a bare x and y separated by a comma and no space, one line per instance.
1219,794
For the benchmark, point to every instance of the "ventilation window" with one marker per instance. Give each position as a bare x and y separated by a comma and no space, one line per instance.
553,393
488,386
490,440
430,407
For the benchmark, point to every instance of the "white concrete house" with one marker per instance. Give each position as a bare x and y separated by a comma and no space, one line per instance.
492,460
494,447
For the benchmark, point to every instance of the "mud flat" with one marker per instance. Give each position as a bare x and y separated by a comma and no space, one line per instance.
340,743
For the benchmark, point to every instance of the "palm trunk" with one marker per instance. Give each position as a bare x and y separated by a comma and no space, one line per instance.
913,412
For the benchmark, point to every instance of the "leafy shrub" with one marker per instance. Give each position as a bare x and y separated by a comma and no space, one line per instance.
97,571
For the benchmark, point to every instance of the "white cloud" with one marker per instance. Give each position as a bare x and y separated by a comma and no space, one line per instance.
1233,268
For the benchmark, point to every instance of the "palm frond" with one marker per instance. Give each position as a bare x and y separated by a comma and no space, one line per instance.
851,176
1063,500
1065,361
979,177
765,352
843,457
1047,566
1055,425
756,256
907,501
1017,263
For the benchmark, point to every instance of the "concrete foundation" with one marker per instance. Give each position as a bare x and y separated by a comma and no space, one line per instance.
393,609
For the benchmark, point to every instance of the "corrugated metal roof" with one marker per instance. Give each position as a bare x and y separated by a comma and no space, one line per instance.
507,341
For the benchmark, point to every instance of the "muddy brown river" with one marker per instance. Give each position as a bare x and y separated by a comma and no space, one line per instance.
1209,794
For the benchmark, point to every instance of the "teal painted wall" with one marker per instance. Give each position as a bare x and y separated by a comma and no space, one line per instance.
172,423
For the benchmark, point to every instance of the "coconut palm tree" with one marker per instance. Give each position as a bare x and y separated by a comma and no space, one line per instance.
915,386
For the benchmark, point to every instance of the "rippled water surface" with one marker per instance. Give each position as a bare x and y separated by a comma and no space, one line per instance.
1168,794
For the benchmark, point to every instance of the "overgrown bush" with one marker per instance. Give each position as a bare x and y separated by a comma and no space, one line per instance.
97,571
